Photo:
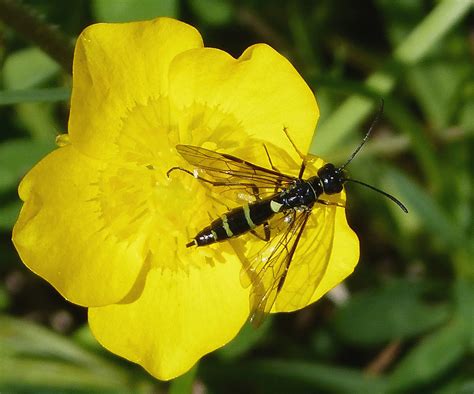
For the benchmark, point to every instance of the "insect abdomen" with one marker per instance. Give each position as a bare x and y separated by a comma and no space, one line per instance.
234,223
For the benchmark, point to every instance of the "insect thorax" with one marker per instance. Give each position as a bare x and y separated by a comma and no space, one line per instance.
302,194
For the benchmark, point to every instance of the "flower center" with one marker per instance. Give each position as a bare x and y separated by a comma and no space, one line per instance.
139,203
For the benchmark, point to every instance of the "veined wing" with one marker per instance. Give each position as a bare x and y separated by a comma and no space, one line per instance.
267,270
234,174
287,272
311,260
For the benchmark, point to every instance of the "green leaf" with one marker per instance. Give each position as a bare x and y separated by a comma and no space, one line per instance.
438,352
464,293
458,386
9,97
399,17
431,358
132,10
34,359
36,374
285,375
247,338
342,380
437,86
83,337
28,68
467,111
17,157
401,117
432,29
324,343
4,298
8,214
213,12
334,128
392,312
425,208
22,342
39,119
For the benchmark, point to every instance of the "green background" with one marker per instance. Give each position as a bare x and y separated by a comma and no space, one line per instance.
404,322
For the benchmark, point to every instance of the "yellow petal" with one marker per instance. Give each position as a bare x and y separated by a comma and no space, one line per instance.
178,318
61,234
325,257
261,90
344,255
327,254
119,66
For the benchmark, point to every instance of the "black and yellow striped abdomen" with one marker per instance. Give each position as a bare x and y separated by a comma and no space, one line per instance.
236,222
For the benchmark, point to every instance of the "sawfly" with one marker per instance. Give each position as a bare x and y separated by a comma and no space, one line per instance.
278,213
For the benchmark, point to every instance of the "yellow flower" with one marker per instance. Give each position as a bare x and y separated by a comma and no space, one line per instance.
107,228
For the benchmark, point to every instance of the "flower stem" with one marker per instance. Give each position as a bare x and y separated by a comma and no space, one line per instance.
184,383
31,26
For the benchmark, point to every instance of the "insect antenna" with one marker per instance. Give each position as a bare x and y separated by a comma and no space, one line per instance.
395,200
364,140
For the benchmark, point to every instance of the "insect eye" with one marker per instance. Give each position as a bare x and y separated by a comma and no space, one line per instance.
333,186
331,179
327,171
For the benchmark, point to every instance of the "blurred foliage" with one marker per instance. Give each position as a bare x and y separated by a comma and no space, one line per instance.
407,325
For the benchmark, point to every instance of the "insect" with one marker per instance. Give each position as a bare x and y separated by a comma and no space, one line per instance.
278,213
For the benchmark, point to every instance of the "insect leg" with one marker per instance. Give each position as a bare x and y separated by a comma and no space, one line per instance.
255,189
285,130
179,169
302,168
330,203
278,182
303,157
266,232
256,192
194,175
270,159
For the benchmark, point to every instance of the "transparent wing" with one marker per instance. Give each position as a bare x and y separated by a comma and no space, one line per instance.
289,268
267,270
238,178
310,260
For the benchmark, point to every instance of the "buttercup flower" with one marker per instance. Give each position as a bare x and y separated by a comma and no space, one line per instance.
107,228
